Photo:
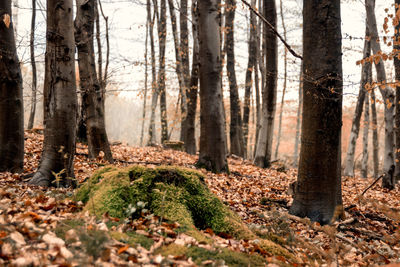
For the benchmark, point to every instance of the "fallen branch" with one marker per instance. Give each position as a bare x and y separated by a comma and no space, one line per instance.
252,9
366,189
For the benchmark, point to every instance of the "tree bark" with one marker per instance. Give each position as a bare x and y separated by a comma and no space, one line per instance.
387,95
11,100
355,128
212,133
318,190
154,87
264,142
162,37
33,64
89,84
190,119
364,161
235,129
278,139
397,76
298,121
60,103
146,73
251,67
375,140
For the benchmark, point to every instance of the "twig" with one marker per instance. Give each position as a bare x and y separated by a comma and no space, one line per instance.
272,29
366,189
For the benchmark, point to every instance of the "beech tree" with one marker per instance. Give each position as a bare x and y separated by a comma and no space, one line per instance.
212,129
318,189
11,101
33,64
60,101
365,156
397,74
92,103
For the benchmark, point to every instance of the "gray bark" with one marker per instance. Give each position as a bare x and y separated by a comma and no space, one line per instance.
364,160
397,103
33,64
162,37
298,121
154,88
375,140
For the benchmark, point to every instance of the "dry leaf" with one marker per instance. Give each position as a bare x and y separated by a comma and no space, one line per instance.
7,20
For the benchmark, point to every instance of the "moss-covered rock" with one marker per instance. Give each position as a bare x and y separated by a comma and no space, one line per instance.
176,194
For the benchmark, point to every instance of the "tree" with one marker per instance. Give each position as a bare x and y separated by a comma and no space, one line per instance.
60,101
212,130
375,140
298,120
364,161
355,128
11,101
235,129
33,64
264,142
162,38
92,102
397,74
154,88
318,190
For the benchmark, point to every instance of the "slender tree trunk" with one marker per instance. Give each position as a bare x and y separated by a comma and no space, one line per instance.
318,191
104,79
33,64
179,68
162,37
278,139
364,161
60,103
355,128
212,135
235,129
11,100
15,17
388,97
298,121
89,84
264,142
185,69
375,140
154,87
249,72
190,140
145,72
397,103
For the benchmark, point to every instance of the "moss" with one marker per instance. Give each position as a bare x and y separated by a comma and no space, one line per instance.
221,255
277,250
133,239
66,225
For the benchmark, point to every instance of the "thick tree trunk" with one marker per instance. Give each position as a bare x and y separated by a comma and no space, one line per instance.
251,67
387,95
397,103
355,128
264,142
11,101
318,190
235,129
298,121
278,138
190,119
375,140
89,84
162,37
364,161
60,103
154,88
212,134
33,64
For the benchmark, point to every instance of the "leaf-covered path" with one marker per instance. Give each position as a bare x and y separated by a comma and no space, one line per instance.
43,227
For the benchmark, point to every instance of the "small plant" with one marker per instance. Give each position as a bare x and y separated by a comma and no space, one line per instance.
135,211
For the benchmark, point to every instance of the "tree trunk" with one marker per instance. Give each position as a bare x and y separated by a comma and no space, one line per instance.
298,121
89,84
397,103
251,67
355,128
278,139
190,119
235,129
60,103
264,142
364,161
375,140
15,17
146,74
212,134
162,37
11,100
33,64
154,87
318,190
387,95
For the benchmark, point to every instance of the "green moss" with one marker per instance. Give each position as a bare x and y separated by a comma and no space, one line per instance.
221,255
133,239
66,225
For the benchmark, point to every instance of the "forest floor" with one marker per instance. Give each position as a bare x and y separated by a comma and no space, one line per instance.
37,225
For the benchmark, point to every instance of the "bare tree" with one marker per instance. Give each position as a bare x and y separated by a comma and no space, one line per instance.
375,140
11,101
162,38
318,189
397,103
92,103
212,135
364,160
298,120
60,102
146,73
154,87
33,64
